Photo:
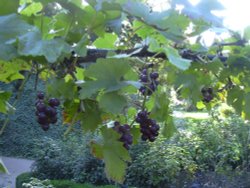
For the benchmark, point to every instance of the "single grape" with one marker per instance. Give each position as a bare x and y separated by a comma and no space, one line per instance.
154,75
53,120
42,118
54,102
144,78
45,127
144,137
144,71
41,107
40,95
50,112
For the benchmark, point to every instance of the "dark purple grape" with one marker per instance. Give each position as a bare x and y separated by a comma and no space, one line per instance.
40,95
50,112
122,129
53,120
152,87
127,127
144,78
125,145
116,123
45,127
151,138
144,71
41,107
143,114
148,127
54,102
144,137
154,75
42,118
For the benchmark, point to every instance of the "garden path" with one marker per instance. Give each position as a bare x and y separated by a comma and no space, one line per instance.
15,167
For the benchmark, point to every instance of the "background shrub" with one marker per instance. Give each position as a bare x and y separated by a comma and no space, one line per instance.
69,159
160,165
22,134
23,178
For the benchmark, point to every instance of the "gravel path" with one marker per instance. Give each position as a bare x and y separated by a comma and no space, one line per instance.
15,167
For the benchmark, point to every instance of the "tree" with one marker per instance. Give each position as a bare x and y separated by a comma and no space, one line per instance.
122,87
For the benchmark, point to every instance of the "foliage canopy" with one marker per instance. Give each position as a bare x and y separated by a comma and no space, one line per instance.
54,39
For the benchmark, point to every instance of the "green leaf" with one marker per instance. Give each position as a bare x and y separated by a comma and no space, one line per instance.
112,102
3,169
203,10
4,97
107,41
60,88
114,154
8,7
7,52
175,59
10,70
169,128
107,74
247,106
235,98
91,117
32,9
80,47
31,44
246,34
11,26
160,109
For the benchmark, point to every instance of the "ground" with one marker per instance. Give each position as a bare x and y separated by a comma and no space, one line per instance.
15,167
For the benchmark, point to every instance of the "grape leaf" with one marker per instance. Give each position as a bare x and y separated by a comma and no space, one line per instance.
10,70
107,41
32,9
112,102
247,106
31,44
3,169
8,7
160,109
175,59
202,10
235,98
11,26
107,74
4,97
91,117
113,153
169,128
61,88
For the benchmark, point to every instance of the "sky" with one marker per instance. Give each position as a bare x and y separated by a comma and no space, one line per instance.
236,14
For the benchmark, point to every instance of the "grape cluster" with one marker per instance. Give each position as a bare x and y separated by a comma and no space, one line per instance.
207,94
148,127
149,81
126,138
46,112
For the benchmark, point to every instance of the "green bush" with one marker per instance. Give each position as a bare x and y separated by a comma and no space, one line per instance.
22,134
71,184
160,165
69,160
23,178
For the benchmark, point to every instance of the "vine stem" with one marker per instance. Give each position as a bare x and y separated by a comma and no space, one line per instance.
15,102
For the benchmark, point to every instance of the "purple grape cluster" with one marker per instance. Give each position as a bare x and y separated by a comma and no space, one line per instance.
46,112
126,138
149,81
148,127
207,94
